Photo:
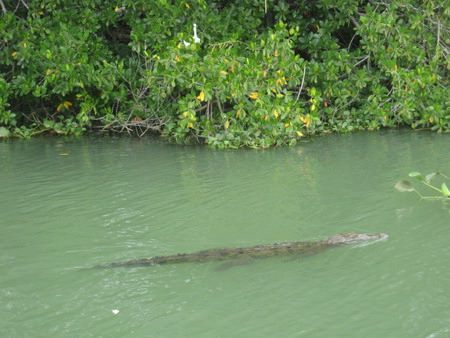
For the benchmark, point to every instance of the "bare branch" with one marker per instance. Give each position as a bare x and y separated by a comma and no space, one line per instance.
301,86
351,41
438,36
361,61
25,4
2,5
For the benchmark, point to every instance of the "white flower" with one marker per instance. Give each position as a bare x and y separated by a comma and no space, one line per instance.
186,44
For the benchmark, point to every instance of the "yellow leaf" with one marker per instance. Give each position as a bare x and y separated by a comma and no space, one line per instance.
299,133
226,124
275,53
63,105
253,95
307,120
276,113
190,125
223,73
14,54
177,58
201,96
281,81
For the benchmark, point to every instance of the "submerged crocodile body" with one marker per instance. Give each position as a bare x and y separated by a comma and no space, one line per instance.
257,251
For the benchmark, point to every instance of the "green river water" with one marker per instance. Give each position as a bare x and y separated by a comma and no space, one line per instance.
70,204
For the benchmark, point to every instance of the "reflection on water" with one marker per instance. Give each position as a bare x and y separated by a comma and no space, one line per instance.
69,204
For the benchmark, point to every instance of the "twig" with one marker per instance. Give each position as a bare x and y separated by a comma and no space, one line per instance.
2,5
361,61
438,37
351,41
354,21
208,110
219,105
201,108
25,4
388,99
301,86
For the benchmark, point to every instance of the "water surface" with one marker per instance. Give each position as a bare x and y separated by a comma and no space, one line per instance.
70,204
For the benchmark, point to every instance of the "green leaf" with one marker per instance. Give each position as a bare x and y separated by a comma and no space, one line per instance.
417,175
4,132
444,190
429,177
404,186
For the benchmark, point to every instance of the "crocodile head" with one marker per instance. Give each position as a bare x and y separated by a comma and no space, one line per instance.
355,238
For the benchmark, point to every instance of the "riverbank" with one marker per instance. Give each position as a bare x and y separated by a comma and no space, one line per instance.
197,71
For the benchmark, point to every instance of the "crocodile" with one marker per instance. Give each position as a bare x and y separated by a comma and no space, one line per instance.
257,251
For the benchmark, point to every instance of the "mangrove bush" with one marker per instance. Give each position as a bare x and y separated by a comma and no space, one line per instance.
253,73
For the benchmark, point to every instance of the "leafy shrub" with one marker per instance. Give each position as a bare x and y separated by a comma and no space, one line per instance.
6,117
264,73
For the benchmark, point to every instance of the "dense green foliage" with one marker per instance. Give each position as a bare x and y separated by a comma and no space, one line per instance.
264,72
